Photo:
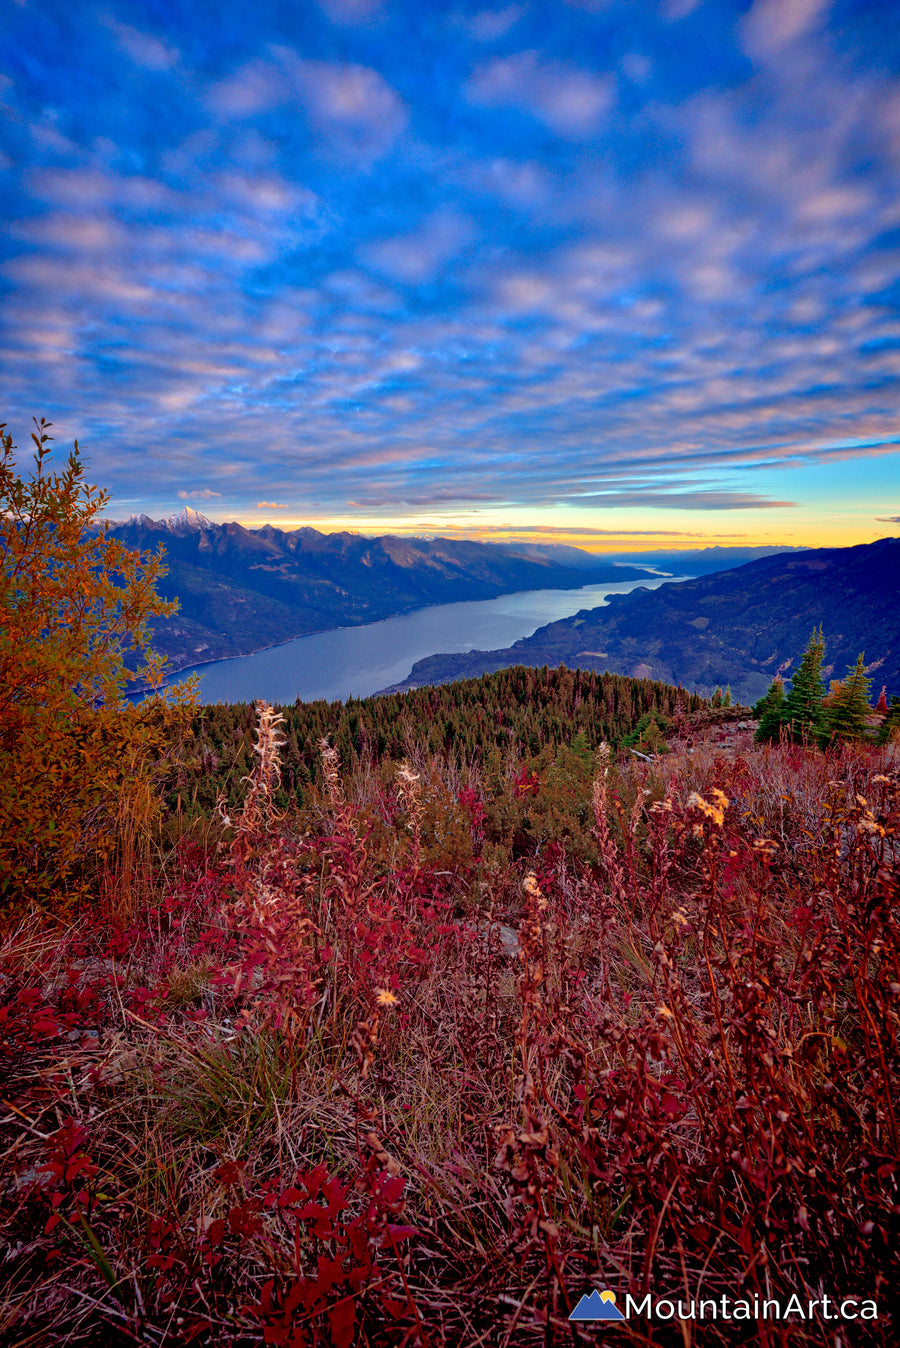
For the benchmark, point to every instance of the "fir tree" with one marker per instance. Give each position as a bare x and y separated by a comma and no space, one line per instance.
770,711
680,717
890,726
845,718
803,714
882,706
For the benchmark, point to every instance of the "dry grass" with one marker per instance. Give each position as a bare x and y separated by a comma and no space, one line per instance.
302,1100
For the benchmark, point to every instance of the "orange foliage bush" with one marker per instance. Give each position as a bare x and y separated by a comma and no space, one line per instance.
74,759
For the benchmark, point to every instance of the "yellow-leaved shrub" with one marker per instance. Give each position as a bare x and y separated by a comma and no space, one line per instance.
77,761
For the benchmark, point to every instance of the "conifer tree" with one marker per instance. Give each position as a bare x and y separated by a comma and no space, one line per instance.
845,718
890,726
680,716
882,702
770,711
803,714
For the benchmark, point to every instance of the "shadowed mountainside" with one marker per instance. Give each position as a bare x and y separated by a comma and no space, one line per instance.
244,589
738,627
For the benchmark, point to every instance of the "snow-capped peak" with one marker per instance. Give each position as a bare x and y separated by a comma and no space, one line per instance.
186,520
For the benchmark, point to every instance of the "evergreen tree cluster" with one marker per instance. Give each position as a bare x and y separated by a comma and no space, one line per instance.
520,710
806,715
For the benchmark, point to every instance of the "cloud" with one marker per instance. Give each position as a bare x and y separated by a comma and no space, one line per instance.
568,99
257,86
102,238
264,194
352,12
145,49
201,283
524,184
271,505
887,519
551,530
439,496
774,24
351,107
691,500
205,495
349,101
674,10
637,66
415,258
491,24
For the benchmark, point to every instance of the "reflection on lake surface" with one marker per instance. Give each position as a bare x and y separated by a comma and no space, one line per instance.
359,661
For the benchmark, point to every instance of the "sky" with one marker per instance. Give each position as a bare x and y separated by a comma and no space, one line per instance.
617,273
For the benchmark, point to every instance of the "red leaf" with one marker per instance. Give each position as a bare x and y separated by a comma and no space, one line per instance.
397,1310
298,1293
329,1273
228,1173
392,1189
288,1197
161,1261
336,1195
342,1318
358,1240
312,1182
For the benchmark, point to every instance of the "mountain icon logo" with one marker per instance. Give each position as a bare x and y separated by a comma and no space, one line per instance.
597,1306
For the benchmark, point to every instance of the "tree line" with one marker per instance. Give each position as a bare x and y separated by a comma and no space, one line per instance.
519,711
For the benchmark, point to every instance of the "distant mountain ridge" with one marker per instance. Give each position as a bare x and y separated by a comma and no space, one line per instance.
184,522
739,627
244,589
704,561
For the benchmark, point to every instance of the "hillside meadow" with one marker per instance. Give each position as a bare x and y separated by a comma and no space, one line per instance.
411,1022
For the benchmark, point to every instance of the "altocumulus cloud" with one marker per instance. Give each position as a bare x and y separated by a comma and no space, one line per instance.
519,256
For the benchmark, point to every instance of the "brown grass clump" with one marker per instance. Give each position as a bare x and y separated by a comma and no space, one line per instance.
316,1095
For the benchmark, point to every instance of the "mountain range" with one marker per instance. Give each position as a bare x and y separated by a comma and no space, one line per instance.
738,627
244,589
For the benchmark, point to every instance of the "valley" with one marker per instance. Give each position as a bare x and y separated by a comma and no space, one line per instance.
736,628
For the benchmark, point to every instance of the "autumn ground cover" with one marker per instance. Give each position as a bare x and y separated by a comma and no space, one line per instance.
294,1088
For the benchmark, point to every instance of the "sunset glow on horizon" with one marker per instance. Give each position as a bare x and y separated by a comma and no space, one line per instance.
620,276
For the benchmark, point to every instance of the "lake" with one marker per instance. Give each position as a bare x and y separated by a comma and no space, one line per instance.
358,661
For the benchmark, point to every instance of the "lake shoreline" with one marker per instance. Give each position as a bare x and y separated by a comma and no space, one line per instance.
366,659
171,673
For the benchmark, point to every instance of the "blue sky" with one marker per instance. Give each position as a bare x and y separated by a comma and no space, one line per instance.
615,273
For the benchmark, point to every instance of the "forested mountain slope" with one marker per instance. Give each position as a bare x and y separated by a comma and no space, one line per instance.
739,627
516,713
